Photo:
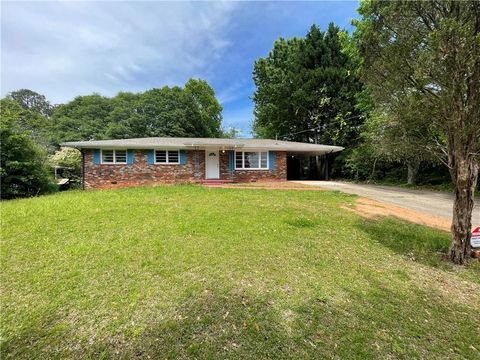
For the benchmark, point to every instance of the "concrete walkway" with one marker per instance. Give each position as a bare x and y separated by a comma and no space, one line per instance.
434,203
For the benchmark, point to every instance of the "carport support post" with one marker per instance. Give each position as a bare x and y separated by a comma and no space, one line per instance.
326,167
317,159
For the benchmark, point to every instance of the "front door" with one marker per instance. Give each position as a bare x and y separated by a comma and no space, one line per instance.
212,164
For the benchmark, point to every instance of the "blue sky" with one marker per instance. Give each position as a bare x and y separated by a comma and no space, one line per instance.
64,49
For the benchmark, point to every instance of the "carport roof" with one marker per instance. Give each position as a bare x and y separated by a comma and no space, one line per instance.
203,143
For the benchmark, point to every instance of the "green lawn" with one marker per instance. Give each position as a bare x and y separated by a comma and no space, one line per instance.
193,272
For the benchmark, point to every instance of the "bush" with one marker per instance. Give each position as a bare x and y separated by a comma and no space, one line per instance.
23,166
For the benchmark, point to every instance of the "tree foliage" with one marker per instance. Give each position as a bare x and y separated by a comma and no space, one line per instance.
33,101
192,111
398,134
308,83
23,169
430,51
209,109
84,118
33,115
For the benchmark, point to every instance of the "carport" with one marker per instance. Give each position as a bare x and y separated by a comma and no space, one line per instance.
311,165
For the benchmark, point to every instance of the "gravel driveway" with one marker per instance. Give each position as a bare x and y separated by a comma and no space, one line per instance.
430,202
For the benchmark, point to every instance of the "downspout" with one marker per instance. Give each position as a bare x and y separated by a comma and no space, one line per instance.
83,168
231,167
197,164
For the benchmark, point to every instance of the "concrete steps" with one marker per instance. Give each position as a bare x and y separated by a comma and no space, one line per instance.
216,182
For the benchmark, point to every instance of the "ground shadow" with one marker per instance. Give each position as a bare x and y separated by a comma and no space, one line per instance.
425,245
375,320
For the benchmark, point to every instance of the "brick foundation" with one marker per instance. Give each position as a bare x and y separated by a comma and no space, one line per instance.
104,176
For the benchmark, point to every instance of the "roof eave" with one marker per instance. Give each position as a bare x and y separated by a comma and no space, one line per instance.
225,146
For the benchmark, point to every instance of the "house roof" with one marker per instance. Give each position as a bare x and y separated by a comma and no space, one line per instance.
204,143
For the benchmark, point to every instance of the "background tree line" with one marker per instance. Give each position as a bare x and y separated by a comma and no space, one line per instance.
32,128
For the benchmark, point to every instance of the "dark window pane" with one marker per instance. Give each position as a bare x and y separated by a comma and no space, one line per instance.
121,156
238,160
173,156
160,156
107,156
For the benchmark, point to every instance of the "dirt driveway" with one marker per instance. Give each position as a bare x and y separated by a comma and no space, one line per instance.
432,204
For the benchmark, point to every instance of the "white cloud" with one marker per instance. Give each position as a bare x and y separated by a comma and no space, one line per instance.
239,118
235,90
65,49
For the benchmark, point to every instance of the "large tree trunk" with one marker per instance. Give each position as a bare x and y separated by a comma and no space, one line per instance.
412,171
464,171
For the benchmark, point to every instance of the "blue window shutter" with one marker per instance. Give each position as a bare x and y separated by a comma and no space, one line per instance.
271,160
96,156
182,157
129,157
231,160
150,157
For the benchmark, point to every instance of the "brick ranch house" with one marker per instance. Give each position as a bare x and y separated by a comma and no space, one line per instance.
148,161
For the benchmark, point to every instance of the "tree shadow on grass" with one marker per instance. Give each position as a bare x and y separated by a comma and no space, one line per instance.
212,325
374,323
374,319
425,245
220,325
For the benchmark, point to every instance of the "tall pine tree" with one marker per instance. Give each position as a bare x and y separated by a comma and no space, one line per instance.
304,84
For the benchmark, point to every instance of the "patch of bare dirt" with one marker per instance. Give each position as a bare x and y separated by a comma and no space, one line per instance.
373,209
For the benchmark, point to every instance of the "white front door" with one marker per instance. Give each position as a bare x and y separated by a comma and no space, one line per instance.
212,164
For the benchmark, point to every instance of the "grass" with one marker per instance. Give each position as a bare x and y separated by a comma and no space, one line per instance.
193,272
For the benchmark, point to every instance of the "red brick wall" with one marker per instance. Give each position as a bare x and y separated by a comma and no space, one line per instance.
140,173
279,173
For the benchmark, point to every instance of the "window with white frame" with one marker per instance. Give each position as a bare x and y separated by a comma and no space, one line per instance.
114,156
251,160
167,156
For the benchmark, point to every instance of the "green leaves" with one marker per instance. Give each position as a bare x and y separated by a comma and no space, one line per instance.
421,60
209,109
84,118
308,83
23,171
192,111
